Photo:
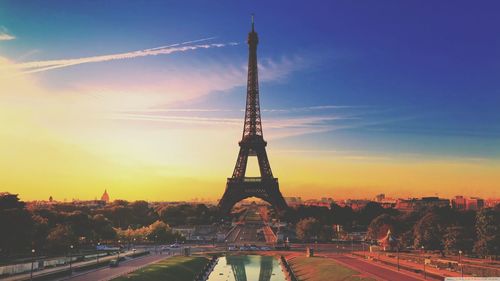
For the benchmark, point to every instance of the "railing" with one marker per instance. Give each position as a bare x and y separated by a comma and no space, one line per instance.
252,179
289,274
209,267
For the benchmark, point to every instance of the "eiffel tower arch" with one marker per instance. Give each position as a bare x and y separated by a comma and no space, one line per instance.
252,144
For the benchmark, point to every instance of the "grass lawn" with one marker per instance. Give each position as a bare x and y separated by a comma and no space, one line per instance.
171,269
317,268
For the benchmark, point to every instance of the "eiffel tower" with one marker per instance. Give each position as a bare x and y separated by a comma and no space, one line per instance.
252,143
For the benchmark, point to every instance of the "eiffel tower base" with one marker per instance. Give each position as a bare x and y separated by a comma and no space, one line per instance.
239,189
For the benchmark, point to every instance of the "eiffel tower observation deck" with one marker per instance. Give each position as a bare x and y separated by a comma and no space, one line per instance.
252,144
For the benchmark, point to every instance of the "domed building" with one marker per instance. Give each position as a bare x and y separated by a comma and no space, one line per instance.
105,196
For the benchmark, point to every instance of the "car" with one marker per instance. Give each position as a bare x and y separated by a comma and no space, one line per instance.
175,245
114,263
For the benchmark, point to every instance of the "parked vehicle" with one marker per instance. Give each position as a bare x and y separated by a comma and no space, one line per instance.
114,263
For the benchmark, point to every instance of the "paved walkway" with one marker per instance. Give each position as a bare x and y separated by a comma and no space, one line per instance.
26,276
108,273
411,264
379,272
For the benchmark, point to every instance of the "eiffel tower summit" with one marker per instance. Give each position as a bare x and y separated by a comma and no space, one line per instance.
265,187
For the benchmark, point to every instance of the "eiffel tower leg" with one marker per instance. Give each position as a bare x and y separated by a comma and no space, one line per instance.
264,166
266,189
241,163
232,195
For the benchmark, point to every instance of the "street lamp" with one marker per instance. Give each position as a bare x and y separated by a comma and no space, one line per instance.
397,248
119,248
460,262
423,256
156,242
32,261
352,244
97,250
70,252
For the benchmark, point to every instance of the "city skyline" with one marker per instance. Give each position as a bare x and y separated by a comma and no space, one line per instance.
152,107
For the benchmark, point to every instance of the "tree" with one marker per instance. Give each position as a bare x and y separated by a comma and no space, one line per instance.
342,216
380,225
81,224
103,228
161,232
488,232
40,231
455,239
428,232
369,212
16,225
188,214
60,238
143,215
308,228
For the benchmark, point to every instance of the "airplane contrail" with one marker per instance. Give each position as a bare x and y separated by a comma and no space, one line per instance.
183,43
38,66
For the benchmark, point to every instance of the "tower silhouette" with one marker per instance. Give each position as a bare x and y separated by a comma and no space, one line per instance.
252,143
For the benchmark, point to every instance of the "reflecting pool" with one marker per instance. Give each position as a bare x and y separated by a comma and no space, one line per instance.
247,268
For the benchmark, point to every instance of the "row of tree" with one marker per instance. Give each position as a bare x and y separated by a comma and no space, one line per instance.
51,229
441,229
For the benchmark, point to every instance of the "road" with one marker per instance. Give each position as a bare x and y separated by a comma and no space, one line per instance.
26,276
108,273
375,270
246,230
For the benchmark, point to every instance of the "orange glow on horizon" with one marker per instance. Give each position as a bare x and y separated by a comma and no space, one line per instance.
67,147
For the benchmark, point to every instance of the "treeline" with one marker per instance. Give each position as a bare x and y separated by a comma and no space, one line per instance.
444,229
51,229
439,229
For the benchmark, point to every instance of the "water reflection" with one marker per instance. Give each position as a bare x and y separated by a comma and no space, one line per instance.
247,268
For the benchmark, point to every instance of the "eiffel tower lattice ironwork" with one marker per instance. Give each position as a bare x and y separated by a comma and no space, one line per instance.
266,186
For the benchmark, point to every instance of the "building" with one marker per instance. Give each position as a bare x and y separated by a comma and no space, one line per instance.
491,202
105,196
474,203
293,201
415,204
380,197
316,203
185,231
462,203
459,203
198,232
356,204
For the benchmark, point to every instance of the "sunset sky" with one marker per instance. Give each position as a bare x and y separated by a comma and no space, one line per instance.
146,98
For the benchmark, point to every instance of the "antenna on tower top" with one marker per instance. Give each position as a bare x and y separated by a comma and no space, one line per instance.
253,15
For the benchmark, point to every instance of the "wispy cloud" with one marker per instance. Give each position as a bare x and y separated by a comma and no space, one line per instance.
177,119
275,126
38,66
271,110
4,34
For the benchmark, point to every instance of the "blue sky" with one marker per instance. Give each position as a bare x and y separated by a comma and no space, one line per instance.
404,79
